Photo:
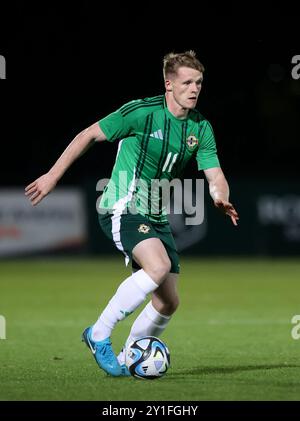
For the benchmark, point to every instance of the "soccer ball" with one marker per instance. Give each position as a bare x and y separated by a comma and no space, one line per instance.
147,358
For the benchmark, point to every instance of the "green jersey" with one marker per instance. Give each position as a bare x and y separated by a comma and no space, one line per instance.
154,145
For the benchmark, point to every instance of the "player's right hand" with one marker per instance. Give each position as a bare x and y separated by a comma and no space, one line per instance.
42,186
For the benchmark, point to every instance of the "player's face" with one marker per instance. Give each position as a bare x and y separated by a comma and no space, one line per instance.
186,87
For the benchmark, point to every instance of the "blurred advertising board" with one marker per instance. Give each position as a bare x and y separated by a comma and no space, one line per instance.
57,223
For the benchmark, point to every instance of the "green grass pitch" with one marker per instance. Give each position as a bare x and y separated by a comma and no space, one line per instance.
229,340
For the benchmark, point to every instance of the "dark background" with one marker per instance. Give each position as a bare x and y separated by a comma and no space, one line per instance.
70,66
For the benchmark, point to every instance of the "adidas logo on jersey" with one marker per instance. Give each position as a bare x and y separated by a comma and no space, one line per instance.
158,134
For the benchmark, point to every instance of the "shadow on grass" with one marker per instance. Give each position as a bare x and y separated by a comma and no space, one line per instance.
230,369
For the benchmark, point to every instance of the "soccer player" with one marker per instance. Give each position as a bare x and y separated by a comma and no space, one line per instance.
159,136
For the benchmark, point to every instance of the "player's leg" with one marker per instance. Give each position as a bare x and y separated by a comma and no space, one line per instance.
155,265
152,257
156,315
132,292
165,298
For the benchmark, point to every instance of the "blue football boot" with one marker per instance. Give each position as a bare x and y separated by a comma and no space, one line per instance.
125,372
103,353
121,358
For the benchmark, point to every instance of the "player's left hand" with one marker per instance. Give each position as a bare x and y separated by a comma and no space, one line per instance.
228,209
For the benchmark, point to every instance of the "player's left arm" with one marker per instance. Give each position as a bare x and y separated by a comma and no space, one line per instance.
219,191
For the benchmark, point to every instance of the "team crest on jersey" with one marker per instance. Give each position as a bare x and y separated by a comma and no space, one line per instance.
191,141
144,229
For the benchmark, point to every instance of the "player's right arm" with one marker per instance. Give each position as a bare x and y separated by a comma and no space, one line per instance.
42,186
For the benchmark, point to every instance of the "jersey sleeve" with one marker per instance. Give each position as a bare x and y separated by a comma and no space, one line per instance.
121,123
207,153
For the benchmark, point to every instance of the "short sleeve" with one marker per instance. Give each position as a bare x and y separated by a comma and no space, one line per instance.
207,152
121,123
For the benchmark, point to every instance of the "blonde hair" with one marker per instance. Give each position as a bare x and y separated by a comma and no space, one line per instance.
172,62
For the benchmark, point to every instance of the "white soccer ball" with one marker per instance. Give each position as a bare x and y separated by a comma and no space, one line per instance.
147,358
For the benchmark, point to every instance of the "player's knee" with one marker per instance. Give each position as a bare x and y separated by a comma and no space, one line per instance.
159,270
168,307
171,306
